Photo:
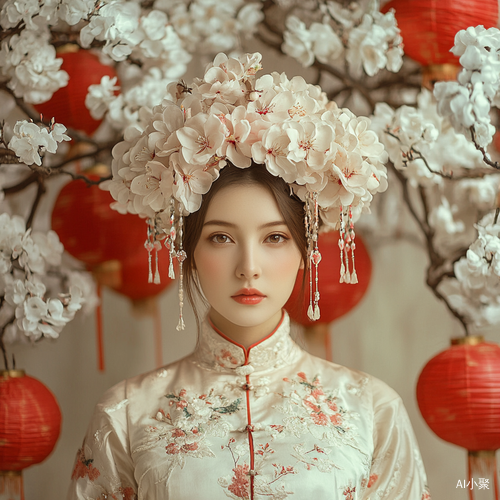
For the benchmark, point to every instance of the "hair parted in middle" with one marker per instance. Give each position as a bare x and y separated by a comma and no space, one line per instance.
289,205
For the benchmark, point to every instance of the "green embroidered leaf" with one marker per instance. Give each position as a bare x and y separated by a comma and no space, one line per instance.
233,407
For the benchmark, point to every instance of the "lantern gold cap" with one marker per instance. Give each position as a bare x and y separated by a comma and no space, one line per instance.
12,373
468,340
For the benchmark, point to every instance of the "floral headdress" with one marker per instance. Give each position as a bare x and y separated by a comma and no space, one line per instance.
328,156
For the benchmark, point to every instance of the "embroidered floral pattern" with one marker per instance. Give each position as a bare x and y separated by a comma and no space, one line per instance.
310,409
84,468
190,419
349,493
237,485
370,482
426,494
225,357
123,494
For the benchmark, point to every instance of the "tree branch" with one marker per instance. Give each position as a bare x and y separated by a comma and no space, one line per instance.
39,193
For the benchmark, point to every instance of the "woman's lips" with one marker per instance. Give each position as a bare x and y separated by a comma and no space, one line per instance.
248,296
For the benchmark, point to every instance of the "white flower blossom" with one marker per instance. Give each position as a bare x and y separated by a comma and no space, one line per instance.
467,102
421,143
298,41
29,63
476,293
30,141
230,116
100,96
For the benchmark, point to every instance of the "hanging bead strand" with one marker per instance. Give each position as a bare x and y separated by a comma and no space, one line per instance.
316,256
354,275
342,245
157,247
181,257
170,241
149,246
308,225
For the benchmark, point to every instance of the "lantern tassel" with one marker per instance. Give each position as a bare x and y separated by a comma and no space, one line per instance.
482,464
99,331
11,485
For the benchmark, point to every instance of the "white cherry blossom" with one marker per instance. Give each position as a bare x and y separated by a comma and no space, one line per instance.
30,141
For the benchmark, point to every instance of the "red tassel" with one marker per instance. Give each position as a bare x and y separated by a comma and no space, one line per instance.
11,485
99,331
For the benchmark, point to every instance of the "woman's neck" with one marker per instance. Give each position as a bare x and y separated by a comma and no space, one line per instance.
244,335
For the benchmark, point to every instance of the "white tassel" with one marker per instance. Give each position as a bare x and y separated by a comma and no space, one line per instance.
150,276
157,272
310,312
316,312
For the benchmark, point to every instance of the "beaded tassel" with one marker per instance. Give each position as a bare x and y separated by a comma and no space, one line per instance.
170,241
316,257
308,226
346,245
157,246
352,234
149,246
342,245
181,257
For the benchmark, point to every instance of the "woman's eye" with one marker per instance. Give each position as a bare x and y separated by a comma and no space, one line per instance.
220,238
276,238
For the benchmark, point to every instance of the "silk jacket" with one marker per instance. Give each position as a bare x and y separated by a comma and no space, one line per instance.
268,422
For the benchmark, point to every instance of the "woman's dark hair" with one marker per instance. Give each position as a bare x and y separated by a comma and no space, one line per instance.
290,206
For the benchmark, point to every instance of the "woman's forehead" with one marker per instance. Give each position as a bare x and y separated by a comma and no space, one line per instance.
249,204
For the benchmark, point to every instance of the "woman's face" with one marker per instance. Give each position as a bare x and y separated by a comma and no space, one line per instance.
246,258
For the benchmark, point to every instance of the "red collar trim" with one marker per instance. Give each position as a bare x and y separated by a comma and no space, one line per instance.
245,350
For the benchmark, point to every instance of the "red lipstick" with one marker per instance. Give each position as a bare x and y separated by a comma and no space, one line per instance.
248,296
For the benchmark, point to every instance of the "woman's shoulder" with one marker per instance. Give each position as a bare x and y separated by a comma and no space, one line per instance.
144,384
354,381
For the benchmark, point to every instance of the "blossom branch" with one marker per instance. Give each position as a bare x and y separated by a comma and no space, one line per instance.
27,181
439,267
486,157
2,343
41,189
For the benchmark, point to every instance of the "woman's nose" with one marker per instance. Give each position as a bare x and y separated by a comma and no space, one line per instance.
249,266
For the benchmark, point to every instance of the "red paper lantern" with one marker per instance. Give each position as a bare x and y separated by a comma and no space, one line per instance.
428,27
134,275
30,421
458,393
90,230
67,105
336,299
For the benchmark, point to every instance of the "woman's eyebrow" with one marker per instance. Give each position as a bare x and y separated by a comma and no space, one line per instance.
216,222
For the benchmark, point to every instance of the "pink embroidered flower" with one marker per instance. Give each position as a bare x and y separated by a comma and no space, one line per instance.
186,448
373,478
336,419
319,418
332,405
181,404
315,393
128,493
178,433
172,448
240,485
349,493
84,468
225,354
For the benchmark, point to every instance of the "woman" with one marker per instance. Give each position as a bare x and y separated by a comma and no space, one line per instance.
248,414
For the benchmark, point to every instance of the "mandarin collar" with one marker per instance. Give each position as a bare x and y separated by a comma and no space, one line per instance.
217,352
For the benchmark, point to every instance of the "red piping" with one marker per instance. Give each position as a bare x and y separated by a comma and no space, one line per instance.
247,389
